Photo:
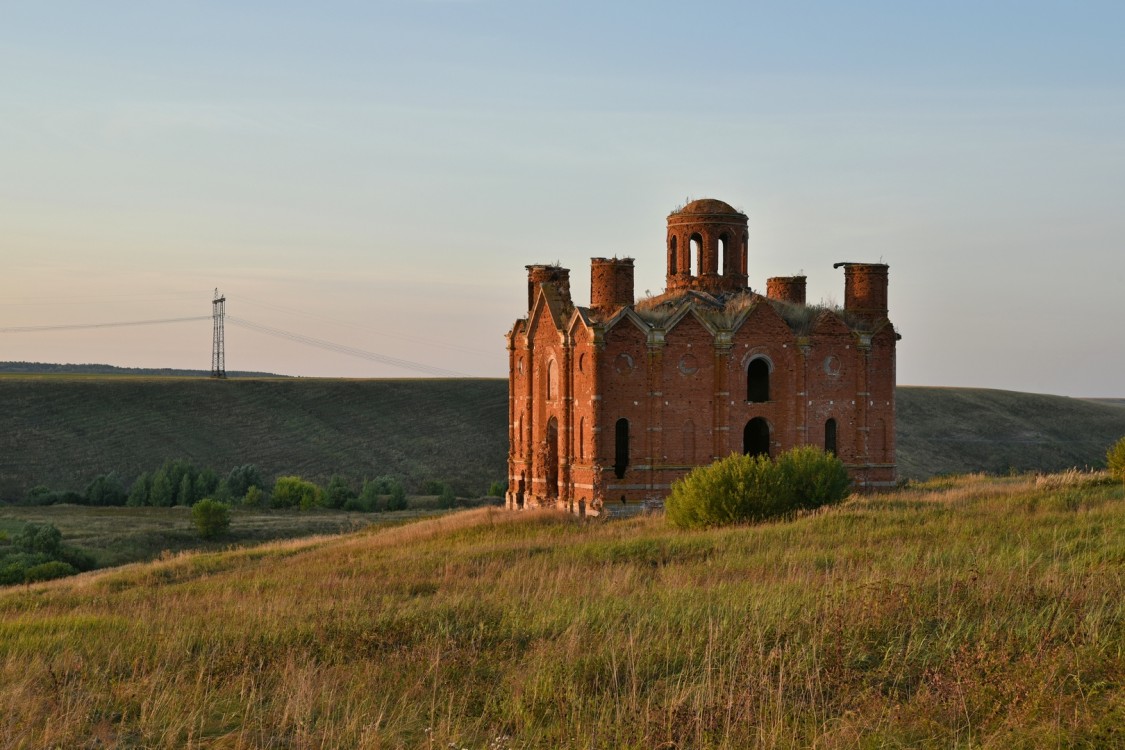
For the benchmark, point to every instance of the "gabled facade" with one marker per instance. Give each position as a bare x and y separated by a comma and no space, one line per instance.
609,404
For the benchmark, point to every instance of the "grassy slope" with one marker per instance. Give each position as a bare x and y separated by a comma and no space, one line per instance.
64,430
956,430
968,613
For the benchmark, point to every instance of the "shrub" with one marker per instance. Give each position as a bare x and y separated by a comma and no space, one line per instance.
289,492
40,538
48,570
253,497
497,489
210,517
752,488
1115,459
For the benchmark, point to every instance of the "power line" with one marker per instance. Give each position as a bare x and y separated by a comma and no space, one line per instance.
115,324
268,330
378,331
349,350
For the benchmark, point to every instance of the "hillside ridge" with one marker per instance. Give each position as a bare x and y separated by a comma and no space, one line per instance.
62,431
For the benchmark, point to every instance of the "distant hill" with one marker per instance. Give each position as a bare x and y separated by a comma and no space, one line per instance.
63,430
958,430
48,368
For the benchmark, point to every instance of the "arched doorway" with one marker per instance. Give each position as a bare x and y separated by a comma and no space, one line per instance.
830,436
756,437
551,473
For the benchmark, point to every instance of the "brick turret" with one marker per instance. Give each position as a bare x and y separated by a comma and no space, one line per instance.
865,290
786,289
556,276
611,283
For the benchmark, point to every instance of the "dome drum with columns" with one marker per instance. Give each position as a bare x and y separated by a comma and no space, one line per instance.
707,245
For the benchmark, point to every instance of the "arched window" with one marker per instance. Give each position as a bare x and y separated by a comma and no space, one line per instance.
582,438
552,467
722,267
756,437
697,253
830,436
673,264
742,255
552,380
621,447
758,381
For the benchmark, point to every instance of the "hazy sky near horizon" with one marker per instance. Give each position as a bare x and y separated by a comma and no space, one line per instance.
378,174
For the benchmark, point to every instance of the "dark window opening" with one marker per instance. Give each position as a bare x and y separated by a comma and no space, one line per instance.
673,265
756,437
552,472
621,450
830,436
758,381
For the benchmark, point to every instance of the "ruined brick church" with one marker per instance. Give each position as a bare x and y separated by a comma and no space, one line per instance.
609,404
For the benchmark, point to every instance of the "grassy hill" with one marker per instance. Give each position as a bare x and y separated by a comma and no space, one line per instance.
958,430
963,613
62,430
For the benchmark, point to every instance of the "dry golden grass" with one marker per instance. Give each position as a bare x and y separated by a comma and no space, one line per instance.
965,612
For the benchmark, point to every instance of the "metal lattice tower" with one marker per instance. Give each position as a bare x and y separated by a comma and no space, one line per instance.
218,351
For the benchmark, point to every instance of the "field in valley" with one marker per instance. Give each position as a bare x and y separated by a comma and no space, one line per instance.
965,612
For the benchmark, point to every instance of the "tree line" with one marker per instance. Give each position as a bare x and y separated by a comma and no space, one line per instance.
179,482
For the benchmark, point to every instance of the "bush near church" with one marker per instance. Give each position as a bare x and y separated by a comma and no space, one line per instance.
741,488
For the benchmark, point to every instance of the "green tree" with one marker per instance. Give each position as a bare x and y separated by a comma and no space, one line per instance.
447,498
497,489
106,489
397,498
1115,459
337,493
241,478
186,493
140,490
163,493
289,492
371,498
210,517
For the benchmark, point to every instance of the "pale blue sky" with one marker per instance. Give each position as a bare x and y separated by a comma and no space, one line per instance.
377,174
